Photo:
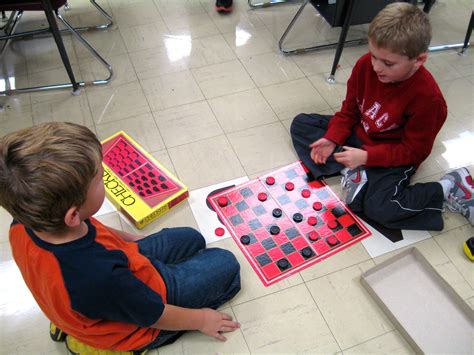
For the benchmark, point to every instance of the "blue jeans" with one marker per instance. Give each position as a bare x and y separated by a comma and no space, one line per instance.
195,277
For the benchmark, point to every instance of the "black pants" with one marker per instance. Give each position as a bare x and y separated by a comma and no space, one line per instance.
387,197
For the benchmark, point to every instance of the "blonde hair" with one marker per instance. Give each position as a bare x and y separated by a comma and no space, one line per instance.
401,28
45,170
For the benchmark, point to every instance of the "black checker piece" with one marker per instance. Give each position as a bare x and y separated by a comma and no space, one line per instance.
245,239
241,206
277,213
246,192
338,211
255,224
263,259
283,264
287,248
307,252
268,243
354,230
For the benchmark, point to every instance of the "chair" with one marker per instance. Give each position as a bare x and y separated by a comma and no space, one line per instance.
51,10
337,13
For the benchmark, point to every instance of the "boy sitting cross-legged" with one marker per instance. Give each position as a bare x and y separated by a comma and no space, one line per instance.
106,288
386,128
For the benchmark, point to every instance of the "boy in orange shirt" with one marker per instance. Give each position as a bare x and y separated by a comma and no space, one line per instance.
106,288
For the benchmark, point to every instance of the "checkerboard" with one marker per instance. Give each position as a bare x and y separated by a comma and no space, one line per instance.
283,223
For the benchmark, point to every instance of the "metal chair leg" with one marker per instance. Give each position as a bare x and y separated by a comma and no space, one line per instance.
342,38
340,44
9,28
313,48
468,35
93,52
48,11
266,4
56,33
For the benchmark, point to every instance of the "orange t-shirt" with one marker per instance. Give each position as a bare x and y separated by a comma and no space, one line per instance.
99,288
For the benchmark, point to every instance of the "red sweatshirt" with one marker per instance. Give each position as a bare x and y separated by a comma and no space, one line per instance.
397,122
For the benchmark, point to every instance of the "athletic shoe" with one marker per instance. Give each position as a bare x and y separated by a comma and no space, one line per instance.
353,180
224,6
76,347
461,196
55,333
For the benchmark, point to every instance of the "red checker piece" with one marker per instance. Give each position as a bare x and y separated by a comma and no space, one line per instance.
313,235
332,224
289,186
262,196
222,201
312,221
332,240
317,206
219,232
270,180
306,193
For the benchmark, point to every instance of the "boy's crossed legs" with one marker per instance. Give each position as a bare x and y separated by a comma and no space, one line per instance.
385,194
195,277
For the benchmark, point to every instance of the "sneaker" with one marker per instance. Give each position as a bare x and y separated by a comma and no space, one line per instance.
77,347
55,333
224,6
353,180
461,195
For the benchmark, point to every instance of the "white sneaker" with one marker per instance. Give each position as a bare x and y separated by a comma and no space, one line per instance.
352,182
461,196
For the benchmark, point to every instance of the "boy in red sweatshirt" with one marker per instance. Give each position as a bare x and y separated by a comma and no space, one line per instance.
386,128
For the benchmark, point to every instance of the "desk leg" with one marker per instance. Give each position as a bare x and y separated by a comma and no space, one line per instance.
342,38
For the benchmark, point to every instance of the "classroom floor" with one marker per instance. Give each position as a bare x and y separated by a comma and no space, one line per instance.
212,98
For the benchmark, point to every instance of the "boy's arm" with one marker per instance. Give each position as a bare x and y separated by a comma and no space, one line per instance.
206,320
343,122
418,136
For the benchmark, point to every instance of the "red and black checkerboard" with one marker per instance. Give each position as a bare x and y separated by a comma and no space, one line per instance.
283,223
141,175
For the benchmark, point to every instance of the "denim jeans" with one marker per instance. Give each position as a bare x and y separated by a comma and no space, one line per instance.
195,276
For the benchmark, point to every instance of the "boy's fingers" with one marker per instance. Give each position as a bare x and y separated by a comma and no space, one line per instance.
226,316
231,324
220,337
228,329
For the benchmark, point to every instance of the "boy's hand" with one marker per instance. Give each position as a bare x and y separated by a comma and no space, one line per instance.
321,150
351,157
214,323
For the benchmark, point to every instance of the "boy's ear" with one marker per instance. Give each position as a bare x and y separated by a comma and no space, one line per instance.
72,217
421,59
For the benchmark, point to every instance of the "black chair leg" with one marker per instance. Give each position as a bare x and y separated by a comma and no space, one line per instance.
468,34
48,10
342,38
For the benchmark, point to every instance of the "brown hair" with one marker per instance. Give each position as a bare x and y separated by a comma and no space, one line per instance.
401,28
45,170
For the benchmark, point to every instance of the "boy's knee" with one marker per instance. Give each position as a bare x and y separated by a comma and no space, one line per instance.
195,236
297,123
228,259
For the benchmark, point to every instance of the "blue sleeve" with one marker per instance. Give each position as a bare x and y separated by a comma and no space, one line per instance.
111,292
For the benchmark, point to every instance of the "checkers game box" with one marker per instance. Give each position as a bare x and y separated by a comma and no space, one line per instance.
138,185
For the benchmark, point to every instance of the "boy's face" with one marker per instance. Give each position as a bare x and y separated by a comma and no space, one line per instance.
392,67
95,195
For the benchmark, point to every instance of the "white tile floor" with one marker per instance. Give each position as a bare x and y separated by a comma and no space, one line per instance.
212,98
